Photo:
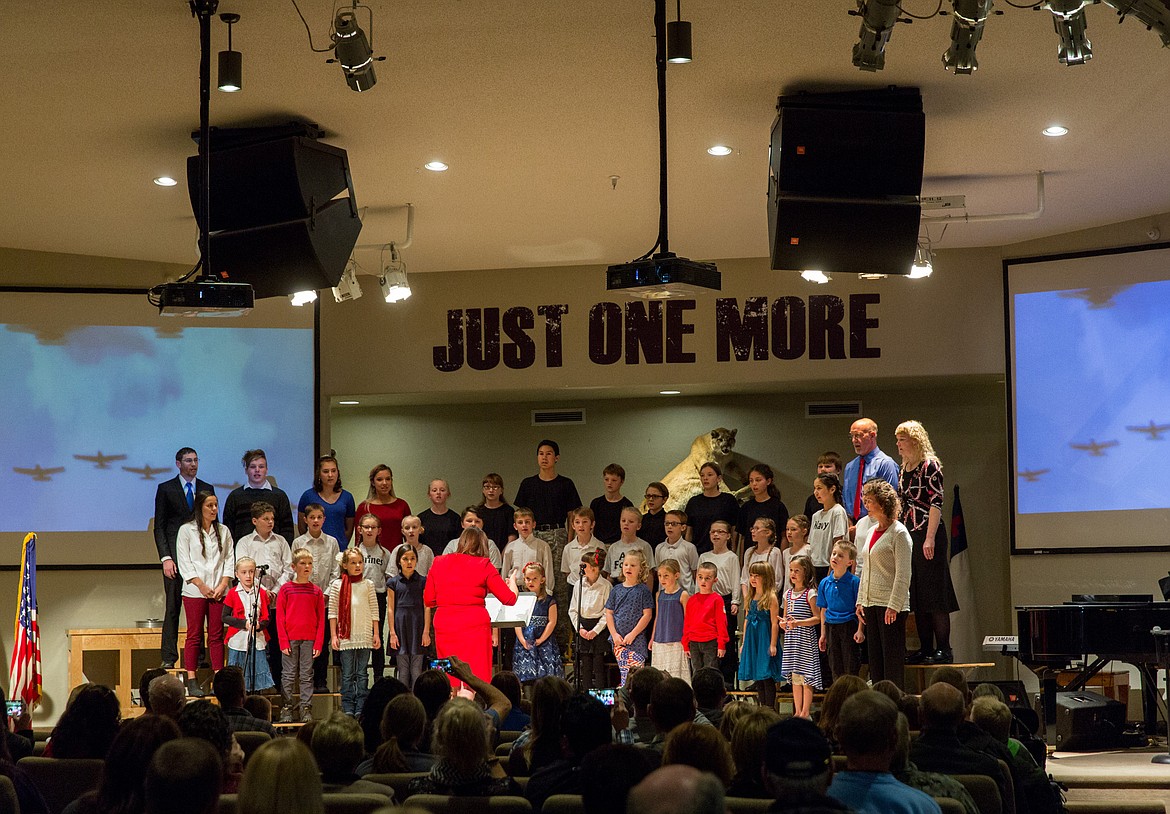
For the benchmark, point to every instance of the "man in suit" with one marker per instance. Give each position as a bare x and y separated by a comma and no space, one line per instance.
173,505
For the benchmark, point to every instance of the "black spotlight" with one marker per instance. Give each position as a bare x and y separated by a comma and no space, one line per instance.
678,38
231,63
353,52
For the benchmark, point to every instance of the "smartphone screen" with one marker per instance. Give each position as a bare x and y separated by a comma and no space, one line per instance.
441,664
607,697
15,708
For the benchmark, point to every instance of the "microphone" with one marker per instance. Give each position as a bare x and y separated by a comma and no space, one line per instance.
261,569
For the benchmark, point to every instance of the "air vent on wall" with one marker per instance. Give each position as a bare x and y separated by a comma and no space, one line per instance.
832,409
553,417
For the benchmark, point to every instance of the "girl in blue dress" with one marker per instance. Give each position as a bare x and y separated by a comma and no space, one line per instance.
535,653
759,655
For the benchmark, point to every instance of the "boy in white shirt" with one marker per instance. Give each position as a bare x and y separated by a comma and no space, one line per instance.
471,520
323,547
527,548
582,542
676,547
268,549
726,564
631,521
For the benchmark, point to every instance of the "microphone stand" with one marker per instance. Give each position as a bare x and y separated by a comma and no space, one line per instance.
253,619
577,632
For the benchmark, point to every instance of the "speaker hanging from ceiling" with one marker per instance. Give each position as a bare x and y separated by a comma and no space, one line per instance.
275,217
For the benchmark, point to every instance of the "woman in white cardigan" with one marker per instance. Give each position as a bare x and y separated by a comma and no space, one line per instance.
204,553
883,597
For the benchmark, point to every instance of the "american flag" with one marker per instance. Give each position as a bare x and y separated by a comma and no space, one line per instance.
25,672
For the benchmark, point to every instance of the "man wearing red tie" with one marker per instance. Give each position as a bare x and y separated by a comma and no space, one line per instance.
870,463
173,502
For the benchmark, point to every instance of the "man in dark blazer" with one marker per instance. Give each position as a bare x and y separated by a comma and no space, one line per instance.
173,506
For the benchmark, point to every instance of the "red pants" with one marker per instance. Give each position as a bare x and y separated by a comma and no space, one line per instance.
195,608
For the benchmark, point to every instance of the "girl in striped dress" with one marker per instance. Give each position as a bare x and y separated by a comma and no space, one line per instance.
801,624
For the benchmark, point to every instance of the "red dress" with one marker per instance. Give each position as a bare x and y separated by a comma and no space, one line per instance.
456,587
390,515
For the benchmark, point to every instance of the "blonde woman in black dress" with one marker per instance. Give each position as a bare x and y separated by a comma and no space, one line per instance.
932,596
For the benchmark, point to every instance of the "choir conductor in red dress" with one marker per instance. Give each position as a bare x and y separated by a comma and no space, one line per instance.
456,586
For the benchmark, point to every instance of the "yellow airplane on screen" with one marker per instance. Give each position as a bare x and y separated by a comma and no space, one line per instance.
100,461
39,472
1094,447
147,471
1153,430
1032,475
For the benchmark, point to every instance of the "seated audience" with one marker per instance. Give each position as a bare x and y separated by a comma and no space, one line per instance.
933,783
938,748
88,725
710,693
797,768
337,745
259,707
381,693
19,734
639,686
433,688
907,704
540,745
203,719
838,692
404,723
184,777
168,695
281,778
733,711
462,756
867,732
508,683
700,746
123,784
672,703
747,751
585,727
994,718
28,796
144,686
677,790
228,686
608,774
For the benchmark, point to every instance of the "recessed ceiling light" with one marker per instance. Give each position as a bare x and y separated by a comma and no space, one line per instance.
1055,130
669,392
435,166
350,402
165,181
719,149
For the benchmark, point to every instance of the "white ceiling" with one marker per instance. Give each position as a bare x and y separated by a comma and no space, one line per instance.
535,104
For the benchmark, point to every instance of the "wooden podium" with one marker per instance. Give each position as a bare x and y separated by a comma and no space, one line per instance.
125,641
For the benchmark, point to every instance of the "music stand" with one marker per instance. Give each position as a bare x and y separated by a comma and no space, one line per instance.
502,615
1162,654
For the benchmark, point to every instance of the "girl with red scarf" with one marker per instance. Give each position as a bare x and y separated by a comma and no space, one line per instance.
353,628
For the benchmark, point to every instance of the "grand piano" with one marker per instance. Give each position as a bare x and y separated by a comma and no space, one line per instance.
1093,630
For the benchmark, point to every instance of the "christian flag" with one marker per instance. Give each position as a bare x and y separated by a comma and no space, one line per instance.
965,638
25,672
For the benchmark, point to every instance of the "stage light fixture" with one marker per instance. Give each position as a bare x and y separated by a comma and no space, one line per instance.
815,276
1068,18
877,23
231,63
678,38
302,298
353,51
922,266
966,31
347,287
395,287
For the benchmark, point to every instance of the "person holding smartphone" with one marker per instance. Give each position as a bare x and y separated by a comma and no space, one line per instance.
18,734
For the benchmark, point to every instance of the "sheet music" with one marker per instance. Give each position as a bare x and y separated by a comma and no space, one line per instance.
511,615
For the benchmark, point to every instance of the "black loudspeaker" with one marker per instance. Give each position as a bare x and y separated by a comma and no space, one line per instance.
844,176
1088,722
275,219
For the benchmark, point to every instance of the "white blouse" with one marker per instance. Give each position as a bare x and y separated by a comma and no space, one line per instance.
202,556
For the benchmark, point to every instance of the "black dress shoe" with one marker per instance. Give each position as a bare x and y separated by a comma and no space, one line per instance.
918,657
194,690
946,656
167,665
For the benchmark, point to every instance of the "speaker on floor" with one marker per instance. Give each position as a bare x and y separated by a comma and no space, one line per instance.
1088,722
276,219
845,173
